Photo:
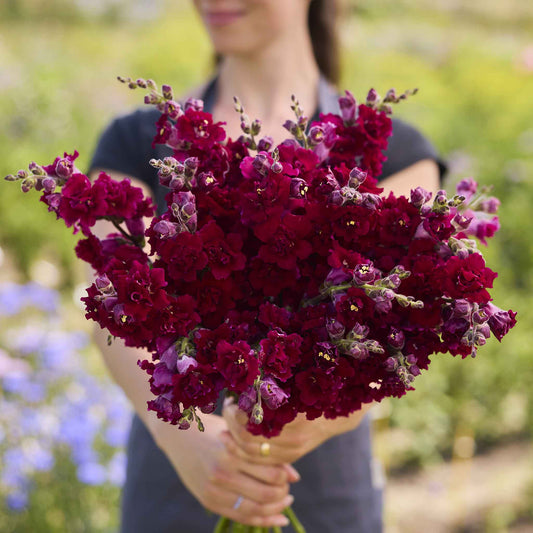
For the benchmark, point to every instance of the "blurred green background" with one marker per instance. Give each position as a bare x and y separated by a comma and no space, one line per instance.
473,65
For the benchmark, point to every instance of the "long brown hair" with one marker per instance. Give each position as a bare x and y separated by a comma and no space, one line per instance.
322,22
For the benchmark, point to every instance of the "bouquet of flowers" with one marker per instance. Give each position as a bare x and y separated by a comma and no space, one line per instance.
279,274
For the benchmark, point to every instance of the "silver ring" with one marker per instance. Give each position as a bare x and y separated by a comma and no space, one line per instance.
238,502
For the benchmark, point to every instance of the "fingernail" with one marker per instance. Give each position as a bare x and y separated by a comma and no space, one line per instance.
281,521
295,473
288,501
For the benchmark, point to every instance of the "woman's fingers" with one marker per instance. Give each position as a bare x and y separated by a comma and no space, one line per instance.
241,508
276,475
254,489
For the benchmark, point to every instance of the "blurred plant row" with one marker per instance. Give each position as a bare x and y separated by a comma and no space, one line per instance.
57,92
61,426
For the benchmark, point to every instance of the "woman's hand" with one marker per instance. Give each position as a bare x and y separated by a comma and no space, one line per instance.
218,478
297,438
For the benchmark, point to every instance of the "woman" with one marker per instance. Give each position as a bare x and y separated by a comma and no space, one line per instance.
268,50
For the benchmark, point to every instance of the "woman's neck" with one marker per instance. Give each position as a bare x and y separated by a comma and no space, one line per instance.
265,81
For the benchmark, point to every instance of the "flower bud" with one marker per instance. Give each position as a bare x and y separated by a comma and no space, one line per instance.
248,399
185,421
392,281
371,200
462,307
257,414
336,198
337,276
255,127
335,329
415,371
167,92
359,331
391,364
190,167
195,104
461,222
272,393
28,184
209,408
302,122
165,228
245,124
411,359
356,177
374,346
484,330
261,163
440,200
382,304
64,168
419,196
316,135
135,226
480,316
276,167
36,170
11,177
184,362
490,205
391,96
292,128
237,105
469,338
372,97
467,188
172,109
358,351
53,201
265,144
49,184
348,108
104,285
176,183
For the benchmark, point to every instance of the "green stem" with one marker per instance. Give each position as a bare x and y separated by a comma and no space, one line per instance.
222,525
295,523
276,529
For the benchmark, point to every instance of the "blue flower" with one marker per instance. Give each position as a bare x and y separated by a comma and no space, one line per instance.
92,473
17,501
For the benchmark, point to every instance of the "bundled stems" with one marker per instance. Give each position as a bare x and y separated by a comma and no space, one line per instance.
225,525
